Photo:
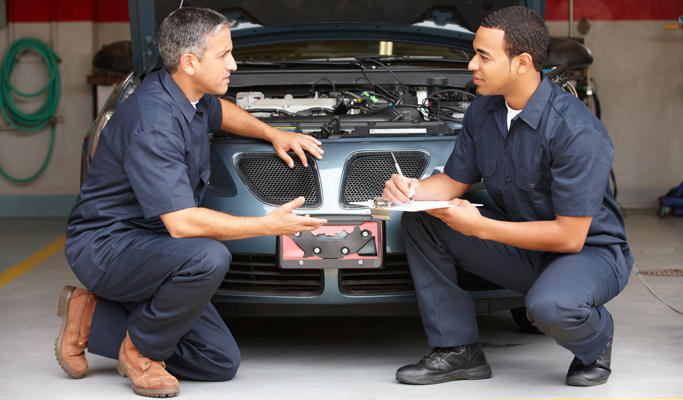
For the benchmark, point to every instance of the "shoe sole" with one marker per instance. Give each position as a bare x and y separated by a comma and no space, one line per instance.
121,369
480,372
63,313
585,382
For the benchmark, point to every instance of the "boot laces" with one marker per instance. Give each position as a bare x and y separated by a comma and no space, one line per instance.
438,355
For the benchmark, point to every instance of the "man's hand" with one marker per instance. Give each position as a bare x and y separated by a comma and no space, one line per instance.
282,221
462,217
284,141
240,122
204,222
561,235
436,187
396,189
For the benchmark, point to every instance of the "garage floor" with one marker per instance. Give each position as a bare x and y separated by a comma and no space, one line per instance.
348,358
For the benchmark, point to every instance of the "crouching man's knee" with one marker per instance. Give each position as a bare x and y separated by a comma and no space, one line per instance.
225,366
555,318
214,259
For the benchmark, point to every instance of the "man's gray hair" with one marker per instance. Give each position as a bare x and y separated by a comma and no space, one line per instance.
185,30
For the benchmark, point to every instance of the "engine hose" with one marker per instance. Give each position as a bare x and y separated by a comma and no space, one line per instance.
45,114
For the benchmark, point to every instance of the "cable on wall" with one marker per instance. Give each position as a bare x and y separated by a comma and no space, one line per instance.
45,114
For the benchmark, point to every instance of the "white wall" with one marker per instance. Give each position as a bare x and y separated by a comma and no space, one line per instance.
638,68
21,154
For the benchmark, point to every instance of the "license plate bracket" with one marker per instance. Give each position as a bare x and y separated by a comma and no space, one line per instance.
348,241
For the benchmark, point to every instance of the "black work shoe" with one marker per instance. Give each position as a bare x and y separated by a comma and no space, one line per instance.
445,364
593,374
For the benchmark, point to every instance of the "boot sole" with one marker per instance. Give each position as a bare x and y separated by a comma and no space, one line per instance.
480,372
582,382
121,369
63,313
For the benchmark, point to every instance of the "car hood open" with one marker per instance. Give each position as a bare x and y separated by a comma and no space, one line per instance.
448,23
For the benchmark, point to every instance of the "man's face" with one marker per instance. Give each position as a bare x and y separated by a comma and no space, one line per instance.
491,68
213,71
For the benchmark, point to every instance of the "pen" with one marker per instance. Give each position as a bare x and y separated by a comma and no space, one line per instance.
398,169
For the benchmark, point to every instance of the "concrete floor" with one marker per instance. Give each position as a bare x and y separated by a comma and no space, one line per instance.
354,358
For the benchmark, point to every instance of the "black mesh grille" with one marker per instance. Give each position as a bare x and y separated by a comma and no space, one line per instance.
273,182
393,278
365,173
259,274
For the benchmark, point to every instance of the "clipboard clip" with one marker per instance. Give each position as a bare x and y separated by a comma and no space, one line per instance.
380,208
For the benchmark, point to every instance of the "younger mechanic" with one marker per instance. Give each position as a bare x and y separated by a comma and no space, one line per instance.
149,256
545,160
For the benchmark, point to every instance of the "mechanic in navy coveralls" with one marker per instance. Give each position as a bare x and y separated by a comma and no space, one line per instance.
149,256
545,160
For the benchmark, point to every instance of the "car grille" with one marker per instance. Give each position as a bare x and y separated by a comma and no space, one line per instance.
366,172
394,278
259,274
273,182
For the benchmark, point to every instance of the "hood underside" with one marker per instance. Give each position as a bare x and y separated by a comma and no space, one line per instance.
467,13
447,23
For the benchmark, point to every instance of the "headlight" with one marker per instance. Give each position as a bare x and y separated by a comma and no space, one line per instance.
99,126
127,87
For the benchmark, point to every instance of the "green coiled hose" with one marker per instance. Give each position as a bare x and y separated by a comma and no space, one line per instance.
41,117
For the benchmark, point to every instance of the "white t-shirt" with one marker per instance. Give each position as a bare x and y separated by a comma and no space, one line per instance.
511,114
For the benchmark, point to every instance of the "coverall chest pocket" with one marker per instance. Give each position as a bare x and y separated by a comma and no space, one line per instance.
487,167
488,171
535,186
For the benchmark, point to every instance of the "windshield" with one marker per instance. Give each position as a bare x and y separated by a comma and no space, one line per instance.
345,49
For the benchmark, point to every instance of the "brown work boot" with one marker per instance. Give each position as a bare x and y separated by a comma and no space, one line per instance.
148,377
76,307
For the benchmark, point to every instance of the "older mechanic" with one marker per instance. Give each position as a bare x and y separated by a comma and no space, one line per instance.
148,255
545,159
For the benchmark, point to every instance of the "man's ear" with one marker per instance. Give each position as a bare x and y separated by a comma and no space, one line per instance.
188,63
525,63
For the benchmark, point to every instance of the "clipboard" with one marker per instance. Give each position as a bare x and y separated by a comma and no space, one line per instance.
381,208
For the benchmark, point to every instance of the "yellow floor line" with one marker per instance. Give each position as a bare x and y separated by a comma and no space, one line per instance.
43,254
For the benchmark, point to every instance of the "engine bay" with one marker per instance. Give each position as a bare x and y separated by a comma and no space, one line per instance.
325,100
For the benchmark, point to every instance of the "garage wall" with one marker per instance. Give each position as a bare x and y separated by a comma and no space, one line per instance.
638,69
75,30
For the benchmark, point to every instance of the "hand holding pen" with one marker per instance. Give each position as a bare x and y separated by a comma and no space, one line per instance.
403,178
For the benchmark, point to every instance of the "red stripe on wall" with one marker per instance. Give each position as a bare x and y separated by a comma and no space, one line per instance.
111,10
555,10
615,10
67,10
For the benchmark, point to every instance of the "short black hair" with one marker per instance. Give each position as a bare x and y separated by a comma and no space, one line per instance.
525,32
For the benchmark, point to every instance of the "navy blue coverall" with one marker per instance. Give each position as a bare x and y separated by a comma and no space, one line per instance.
153,158
555,159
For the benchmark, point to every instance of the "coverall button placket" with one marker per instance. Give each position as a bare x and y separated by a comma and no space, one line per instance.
509,172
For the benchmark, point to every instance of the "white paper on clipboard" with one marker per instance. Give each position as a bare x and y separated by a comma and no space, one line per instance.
410,207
